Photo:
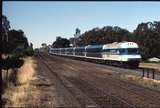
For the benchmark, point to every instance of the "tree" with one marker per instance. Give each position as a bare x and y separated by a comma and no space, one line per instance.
107,34
14,44
61,42
16,39
43,44
147,35
5,27
4,40
4,33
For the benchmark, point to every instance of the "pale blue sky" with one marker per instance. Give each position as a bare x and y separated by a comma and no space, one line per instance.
44,21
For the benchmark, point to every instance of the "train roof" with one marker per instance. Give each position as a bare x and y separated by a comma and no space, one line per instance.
120,45
105,46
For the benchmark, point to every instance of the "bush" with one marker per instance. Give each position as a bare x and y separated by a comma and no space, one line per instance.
21,52
29,52
12,62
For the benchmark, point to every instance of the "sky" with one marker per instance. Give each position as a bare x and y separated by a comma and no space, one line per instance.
43,21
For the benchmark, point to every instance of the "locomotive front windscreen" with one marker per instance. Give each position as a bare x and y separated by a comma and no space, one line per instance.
132,51
129,51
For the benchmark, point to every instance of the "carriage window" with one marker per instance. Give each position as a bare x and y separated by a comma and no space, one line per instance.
118,52
132,51
107,50
122,51
98,49
113,51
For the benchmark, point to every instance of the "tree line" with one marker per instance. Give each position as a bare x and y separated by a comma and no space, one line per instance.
14,45
147,35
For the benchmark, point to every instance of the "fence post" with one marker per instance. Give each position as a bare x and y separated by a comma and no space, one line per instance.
153,71
147,73
143,72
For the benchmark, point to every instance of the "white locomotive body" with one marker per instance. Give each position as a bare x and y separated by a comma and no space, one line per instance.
123,53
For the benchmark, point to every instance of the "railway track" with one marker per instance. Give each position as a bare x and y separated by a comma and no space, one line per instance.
146,94
100,97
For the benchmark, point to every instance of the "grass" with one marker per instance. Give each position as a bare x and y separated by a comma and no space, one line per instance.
14,96
146,82
146,61
26,72
150,65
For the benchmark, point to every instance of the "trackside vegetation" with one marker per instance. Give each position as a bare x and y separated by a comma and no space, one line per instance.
15,46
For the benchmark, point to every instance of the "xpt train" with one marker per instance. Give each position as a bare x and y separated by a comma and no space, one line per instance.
124,54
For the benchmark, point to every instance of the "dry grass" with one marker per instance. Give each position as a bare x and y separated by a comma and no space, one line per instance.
146,82
33,89
14,95
26,72
150,65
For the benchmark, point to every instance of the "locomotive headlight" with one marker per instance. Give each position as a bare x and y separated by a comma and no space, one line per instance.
131,58
124,58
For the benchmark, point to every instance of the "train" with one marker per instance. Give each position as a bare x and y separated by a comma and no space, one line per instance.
125,54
